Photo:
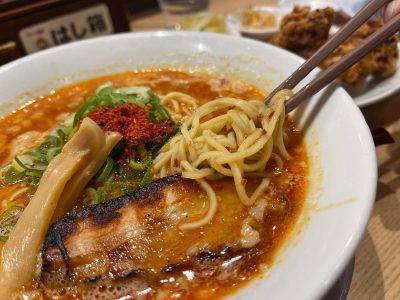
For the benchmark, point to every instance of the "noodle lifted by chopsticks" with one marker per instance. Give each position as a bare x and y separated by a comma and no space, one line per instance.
238,144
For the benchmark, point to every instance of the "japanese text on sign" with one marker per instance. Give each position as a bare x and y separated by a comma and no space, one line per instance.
91,22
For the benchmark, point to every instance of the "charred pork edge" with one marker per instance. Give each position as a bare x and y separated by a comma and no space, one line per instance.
144,195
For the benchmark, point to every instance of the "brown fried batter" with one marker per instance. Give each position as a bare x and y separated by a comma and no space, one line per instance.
381,62
304,30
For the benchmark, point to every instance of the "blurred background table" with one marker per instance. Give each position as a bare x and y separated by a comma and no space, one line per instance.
377,270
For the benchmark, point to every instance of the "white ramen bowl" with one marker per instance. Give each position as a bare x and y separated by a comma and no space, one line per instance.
342,157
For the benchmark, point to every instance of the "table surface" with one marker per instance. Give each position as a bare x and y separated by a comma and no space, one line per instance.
377,270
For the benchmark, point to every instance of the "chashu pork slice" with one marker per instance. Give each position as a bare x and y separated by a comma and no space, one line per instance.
138,235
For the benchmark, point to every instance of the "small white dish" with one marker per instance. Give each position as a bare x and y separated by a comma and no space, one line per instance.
234,22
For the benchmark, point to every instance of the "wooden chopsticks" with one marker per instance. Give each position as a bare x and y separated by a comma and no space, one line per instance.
343,64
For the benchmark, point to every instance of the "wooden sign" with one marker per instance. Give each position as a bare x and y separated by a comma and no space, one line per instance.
30,26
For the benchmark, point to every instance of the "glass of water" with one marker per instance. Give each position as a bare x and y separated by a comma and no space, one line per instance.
174,10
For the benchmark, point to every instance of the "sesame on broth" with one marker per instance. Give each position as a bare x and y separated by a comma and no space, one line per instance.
130,243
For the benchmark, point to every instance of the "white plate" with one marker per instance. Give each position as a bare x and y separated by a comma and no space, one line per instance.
350,8
372,90
234,22
343,173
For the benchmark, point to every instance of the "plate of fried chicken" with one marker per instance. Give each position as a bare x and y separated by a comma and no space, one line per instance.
370,80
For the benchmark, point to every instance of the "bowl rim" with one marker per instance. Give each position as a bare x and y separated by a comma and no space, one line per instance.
362,127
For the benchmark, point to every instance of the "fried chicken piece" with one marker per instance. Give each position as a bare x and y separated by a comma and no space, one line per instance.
304,30
385,56
355,73
381,62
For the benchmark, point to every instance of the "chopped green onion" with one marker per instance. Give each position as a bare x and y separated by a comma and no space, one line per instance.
106,84
62,135
123,185
24,167
159,109
34,180
52,152
51,141
101,195
80,112
138,166
67,124
11,214
141,91
35,173
17,166
121,99
12,177
106,171
92,194
147,177
37,156
8,218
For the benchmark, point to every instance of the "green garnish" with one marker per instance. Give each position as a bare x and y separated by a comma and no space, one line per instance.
148,176
105,172
8,218
116,176
108,96
138,165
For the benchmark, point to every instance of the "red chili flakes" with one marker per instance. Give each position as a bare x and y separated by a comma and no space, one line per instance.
132,122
